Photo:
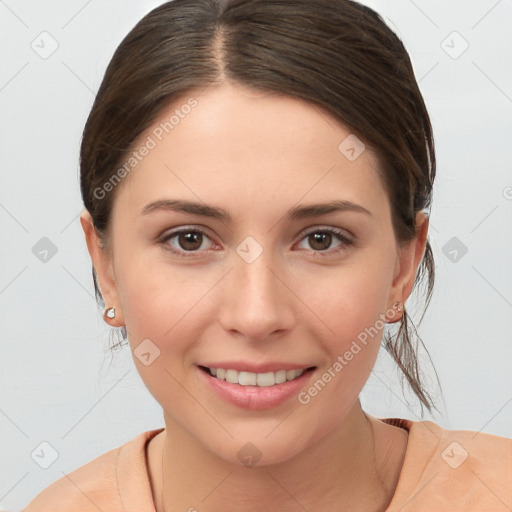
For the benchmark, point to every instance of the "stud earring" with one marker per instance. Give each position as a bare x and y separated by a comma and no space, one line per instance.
110,312
398,306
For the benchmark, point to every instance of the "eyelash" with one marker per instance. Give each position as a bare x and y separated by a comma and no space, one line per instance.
346,242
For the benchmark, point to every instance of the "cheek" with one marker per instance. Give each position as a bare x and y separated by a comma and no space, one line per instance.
156,307
168,306
158,315
348,301
350,332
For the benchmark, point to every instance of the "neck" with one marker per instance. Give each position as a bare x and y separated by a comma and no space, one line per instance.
357,463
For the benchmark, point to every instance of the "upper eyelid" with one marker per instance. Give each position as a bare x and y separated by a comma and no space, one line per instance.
313,229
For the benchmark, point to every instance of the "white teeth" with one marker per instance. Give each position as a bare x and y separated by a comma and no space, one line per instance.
265,379
290,374
247,379
255,379
232,376
280,376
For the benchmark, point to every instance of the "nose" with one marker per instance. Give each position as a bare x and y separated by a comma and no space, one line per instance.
257,302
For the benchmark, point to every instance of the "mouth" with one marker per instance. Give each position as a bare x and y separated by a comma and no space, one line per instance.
244,378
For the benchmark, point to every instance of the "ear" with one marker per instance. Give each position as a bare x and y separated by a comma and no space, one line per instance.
102,262
410,257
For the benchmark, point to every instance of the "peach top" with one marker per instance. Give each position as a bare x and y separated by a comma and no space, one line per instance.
443,470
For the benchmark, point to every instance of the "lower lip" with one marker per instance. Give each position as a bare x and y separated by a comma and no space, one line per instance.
256,398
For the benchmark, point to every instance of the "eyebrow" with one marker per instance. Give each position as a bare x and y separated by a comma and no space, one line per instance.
295,213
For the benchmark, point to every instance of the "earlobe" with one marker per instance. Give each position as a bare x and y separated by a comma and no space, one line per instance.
102,263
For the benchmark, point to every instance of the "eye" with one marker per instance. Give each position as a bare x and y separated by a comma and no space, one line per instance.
187,240
321,239
191,240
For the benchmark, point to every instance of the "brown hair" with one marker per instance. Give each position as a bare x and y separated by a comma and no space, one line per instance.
336,54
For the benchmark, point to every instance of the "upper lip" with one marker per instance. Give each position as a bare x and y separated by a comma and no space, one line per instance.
242,366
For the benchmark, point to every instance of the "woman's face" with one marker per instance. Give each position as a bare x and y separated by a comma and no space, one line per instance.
263,289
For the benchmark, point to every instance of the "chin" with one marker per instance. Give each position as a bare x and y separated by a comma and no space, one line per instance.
250,451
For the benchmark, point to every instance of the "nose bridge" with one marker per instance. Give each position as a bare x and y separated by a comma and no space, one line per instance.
256,303
253,266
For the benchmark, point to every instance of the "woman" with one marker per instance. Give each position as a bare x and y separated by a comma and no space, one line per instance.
257,177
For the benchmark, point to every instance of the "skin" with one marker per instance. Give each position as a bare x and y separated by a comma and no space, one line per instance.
256,155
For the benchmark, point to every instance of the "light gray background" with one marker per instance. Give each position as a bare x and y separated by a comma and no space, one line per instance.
57,382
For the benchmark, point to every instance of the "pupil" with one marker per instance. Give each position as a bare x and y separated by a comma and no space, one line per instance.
317,237
190,238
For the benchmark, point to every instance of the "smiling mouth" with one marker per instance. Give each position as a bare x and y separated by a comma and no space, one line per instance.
266,379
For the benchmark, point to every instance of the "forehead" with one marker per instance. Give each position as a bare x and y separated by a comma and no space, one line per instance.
237,146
